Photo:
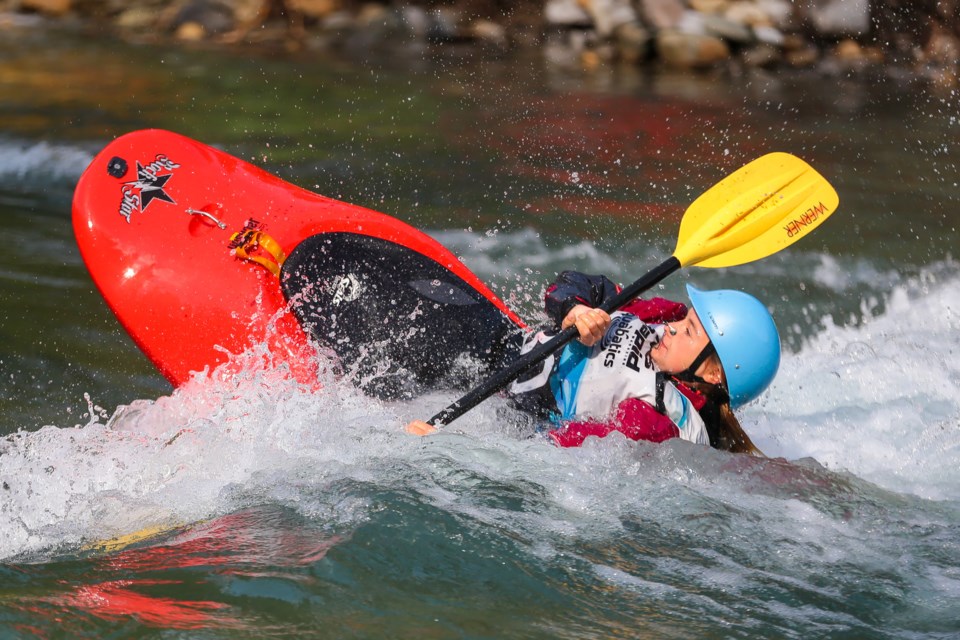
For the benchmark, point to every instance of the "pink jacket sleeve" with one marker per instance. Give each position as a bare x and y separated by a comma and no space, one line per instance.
657,310
634,418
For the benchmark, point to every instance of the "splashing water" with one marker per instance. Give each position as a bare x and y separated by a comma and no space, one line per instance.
218,443
879,399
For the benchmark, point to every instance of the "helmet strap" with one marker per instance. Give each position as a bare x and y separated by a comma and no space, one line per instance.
690,373
708,351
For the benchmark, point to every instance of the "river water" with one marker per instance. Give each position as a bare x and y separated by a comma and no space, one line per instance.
285,513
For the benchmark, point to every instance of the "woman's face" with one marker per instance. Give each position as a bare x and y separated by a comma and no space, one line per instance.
682,342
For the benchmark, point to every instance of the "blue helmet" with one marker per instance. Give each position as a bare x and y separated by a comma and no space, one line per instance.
745,337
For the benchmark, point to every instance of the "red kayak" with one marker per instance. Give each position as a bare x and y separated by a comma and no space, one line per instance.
200,255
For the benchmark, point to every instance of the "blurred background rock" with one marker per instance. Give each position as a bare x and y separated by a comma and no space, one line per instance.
830,36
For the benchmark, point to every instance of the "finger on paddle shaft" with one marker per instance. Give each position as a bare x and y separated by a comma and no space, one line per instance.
756,211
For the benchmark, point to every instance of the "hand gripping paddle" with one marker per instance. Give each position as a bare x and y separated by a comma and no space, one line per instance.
754,212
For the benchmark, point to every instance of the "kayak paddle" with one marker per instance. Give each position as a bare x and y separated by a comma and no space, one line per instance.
761,208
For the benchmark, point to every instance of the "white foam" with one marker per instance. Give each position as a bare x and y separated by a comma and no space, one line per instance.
881,399
182,458
22,159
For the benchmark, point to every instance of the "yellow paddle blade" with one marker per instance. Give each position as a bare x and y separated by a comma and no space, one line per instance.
122,542
756,211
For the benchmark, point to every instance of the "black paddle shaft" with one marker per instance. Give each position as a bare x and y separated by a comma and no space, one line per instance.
542,351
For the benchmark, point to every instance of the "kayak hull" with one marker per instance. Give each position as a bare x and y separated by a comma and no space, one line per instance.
185,243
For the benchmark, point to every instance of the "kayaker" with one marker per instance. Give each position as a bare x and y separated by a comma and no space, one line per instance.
653,370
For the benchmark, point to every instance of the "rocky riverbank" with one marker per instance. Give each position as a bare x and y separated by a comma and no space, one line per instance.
833,36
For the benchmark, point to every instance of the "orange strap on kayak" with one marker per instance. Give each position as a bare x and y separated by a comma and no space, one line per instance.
251,245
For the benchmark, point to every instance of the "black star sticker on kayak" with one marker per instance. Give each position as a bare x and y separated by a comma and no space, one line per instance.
151,187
